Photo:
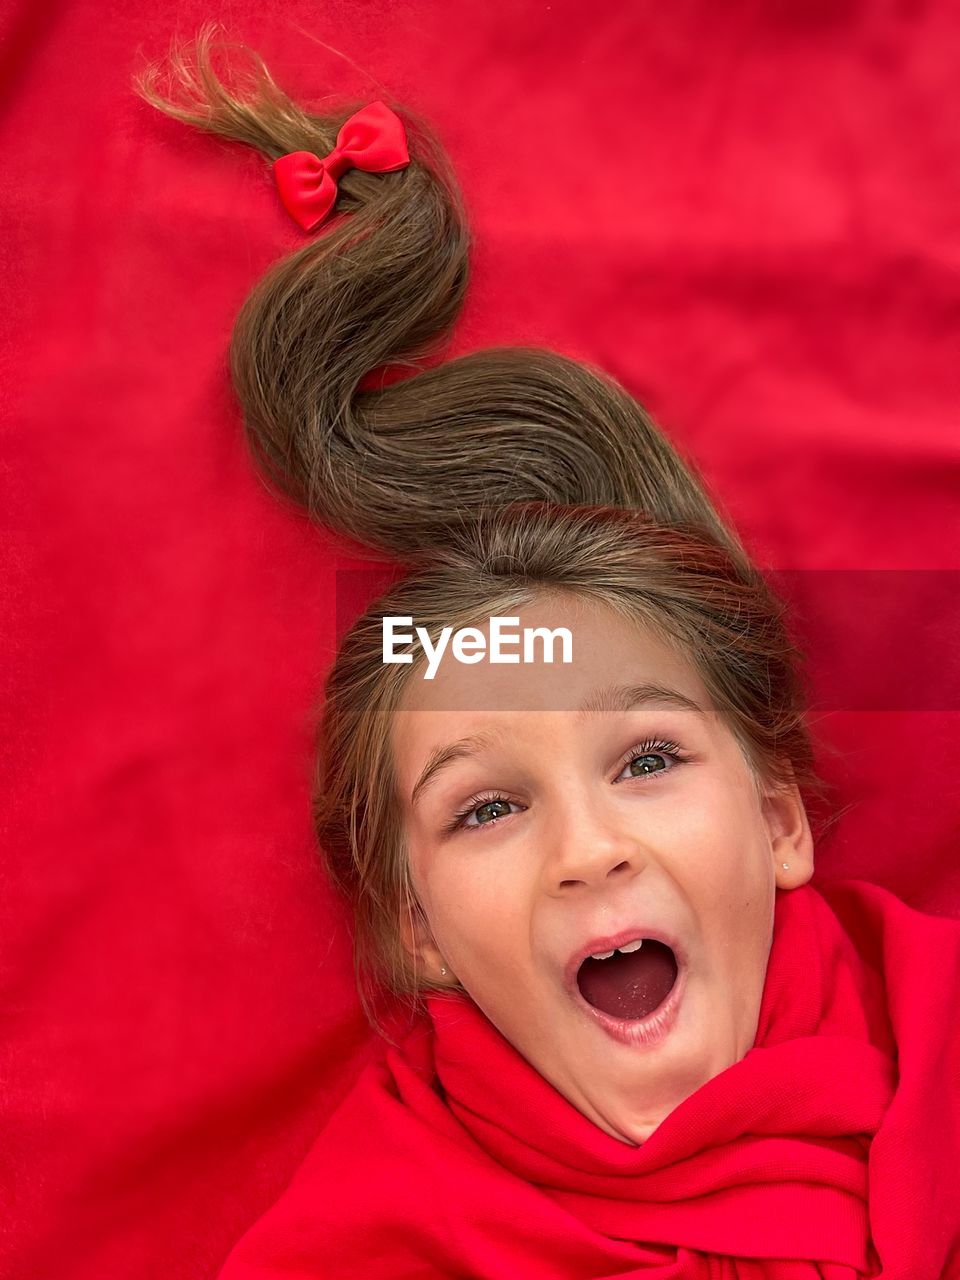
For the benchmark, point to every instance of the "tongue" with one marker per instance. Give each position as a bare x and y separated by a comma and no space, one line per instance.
629,985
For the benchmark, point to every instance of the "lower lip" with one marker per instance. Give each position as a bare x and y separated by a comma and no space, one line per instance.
651,1030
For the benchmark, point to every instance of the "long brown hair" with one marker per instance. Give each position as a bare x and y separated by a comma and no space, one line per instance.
491,478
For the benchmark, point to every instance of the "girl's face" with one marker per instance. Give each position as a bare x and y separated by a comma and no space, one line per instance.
582,824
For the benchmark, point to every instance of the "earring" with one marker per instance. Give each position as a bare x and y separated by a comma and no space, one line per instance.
442,971
785,865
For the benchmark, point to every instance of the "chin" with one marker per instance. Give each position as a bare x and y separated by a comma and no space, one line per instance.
639,1134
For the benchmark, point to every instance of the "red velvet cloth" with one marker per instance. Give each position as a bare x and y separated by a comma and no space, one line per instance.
746,211
828,1151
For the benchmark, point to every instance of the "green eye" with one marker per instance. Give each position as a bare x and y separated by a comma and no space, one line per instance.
496,807
490,805
641,760
644,753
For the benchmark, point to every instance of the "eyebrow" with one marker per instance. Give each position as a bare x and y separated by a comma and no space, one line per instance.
619,697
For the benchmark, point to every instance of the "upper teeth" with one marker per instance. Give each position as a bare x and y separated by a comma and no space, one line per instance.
627,946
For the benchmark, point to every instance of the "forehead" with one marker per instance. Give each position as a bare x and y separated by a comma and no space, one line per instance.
607,650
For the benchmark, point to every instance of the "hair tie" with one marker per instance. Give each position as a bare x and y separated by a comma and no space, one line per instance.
373,138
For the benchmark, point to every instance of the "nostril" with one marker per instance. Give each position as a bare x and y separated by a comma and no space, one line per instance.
621,866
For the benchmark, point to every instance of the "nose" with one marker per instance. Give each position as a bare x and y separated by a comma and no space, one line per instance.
589,841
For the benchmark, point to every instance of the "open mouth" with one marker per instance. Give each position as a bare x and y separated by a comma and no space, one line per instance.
629,985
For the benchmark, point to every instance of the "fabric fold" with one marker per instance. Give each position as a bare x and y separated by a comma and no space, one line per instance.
829,1150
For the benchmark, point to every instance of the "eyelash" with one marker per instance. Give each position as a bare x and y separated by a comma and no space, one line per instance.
659,747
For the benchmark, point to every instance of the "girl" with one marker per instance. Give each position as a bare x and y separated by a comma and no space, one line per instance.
641,1041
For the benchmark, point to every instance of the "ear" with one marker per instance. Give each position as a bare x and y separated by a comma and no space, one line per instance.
419,942
788,831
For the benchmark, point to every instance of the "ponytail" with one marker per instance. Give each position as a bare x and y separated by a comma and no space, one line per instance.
392,466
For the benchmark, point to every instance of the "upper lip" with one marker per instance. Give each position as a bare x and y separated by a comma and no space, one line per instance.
613,940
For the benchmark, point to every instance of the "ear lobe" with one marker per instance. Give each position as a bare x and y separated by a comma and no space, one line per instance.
418,939
788,830
414,930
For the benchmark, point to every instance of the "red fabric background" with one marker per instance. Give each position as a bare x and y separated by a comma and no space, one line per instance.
747,212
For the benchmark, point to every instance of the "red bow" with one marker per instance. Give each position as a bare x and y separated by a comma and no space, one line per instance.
372,138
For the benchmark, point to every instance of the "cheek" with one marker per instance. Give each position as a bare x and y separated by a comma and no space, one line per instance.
722,857
478,911
719,824
733,888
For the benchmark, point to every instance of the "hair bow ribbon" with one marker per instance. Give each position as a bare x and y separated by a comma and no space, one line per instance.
373,138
